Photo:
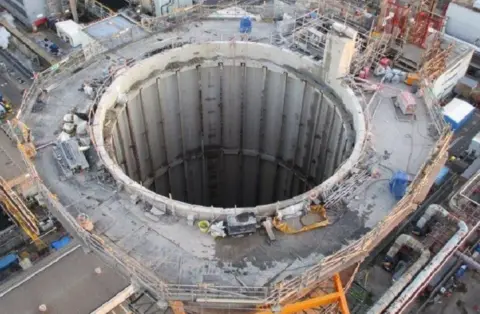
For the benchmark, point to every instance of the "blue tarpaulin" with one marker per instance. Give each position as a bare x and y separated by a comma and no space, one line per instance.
398,184
62,242
442,174
8,260
245,25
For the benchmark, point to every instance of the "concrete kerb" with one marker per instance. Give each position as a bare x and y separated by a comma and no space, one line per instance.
213,50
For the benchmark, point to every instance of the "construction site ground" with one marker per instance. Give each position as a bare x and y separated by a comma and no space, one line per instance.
377,280
180,253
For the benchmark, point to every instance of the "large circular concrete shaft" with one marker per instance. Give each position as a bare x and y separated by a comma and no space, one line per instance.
224,125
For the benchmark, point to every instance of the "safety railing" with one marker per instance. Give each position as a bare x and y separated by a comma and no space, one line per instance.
282,291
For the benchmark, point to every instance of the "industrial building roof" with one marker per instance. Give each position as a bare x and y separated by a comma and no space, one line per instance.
111,27
64,283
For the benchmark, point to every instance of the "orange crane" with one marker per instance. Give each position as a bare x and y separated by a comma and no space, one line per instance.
304,306
337,297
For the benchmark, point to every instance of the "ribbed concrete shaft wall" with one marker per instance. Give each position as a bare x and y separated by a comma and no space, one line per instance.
227,135
227,125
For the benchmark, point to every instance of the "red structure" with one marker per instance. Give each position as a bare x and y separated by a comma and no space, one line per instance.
423,21
393,18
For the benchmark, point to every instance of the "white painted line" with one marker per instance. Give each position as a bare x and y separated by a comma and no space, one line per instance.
3,293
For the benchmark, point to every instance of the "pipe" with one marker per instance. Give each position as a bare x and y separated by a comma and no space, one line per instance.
170,2
427,273
468,260
400,284
73,9
404,240
429,213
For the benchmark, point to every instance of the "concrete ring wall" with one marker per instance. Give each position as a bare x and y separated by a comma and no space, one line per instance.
211,55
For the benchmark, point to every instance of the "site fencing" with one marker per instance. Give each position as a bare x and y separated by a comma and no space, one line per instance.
283,291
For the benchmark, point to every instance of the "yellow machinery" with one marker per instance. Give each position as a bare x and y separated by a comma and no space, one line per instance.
23,136
412,78
19,212
318,210
177,307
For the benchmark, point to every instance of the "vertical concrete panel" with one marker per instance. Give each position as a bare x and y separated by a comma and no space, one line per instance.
139,136
249,189
332,145
273,126
162,185
232,93
340,150
230,180
192,128
349,144
119,148
319,142
267,184
153,119
252,108
306,128
210,82
190,110
292,114
284,180
195,183
171,125
170,110
273,121
178,185
123,126
251,126
312,112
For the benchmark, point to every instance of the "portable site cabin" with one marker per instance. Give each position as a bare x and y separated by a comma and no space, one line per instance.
457,113
72,33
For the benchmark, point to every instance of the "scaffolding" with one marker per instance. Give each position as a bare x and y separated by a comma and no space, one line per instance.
434,60
15,207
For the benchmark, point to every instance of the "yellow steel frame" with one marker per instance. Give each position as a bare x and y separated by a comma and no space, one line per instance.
17,209
335,297
177,307
23,136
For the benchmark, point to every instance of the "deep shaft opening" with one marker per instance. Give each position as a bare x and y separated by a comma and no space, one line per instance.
228,136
